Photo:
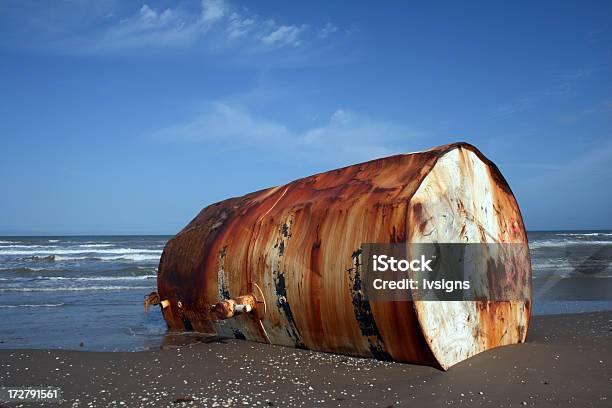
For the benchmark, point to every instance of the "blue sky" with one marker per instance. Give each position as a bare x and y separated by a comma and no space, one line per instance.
130,116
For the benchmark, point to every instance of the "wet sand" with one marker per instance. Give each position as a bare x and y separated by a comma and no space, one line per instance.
566,362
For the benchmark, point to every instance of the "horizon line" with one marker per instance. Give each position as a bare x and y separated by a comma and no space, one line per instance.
161,234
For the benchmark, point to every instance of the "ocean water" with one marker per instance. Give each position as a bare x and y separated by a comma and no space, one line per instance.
60,292
86,292
572,271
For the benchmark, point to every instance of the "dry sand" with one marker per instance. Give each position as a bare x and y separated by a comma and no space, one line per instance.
566,362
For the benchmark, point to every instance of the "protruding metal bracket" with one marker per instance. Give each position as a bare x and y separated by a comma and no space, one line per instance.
261,300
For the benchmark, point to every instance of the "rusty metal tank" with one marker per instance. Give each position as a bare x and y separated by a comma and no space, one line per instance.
277,265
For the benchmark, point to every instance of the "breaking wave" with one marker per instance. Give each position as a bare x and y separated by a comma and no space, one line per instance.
555,243
75,288
97,278
58,258
26,270
39,305
82,251
132,257
586,234
27,246
127,257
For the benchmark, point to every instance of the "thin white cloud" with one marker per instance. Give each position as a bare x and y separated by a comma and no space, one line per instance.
238,26
516,106
567,81
209,25
222,123
213,10
602,110
327,30
573,74
341,117
345,137
284,35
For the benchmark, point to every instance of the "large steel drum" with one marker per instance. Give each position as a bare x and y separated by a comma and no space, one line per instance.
279,265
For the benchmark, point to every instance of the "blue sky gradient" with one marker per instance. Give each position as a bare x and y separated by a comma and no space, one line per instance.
129,117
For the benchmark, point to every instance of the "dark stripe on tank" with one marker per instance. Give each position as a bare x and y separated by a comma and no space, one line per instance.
279,282
221,279
363,311
283,305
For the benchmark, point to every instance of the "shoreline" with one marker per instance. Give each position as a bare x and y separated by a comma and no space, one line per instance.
565,362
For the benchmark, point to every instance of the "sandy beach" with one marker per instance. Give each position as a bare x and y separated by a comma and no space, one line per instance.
566,362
